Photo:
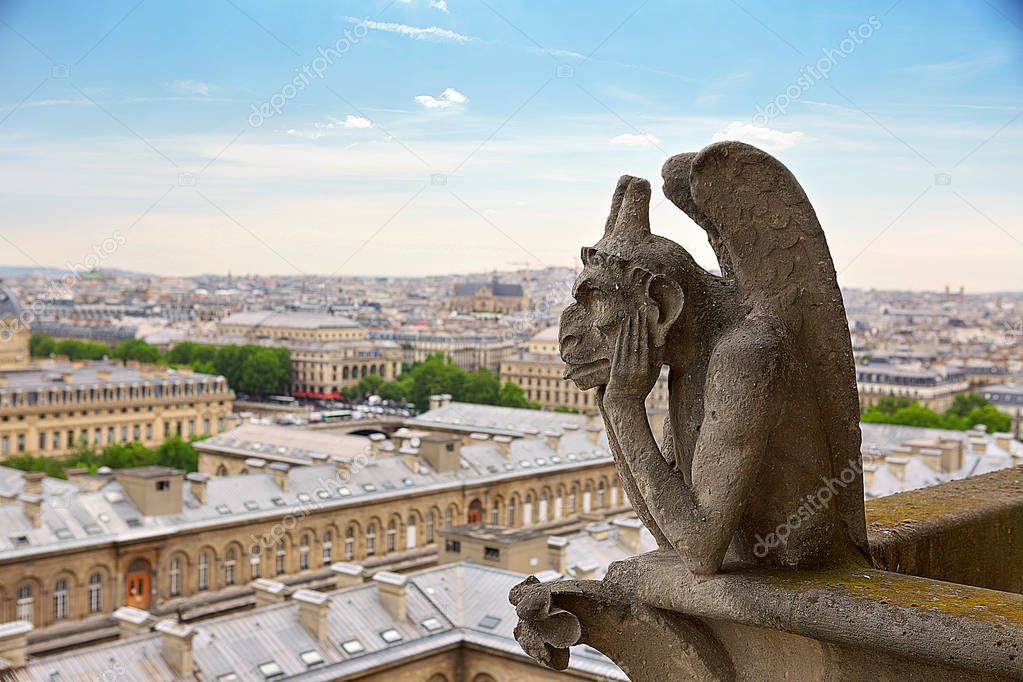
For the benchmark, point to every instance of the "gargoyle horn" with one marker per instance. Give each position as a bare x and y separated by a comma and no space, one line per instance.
630,209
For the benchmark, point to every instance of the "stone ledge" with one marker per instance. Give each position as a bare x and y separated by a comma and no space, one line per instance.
940,623
948,531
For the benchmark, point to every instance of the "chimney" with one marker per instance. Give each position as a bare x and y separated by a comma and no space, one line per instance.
14,642
435,402
32,505
391,587
343,465
1004,441
978,444
375,441
67,377
104,375
268,591
33,482
952,457
3,380
255,465
585,570
897,465
556,553
280,474
177,647
593,433
629,533
77,475
197,483
445,399
932,457
410,456
313,607
347,574
131,621
8,496
868,476
503,445
553,439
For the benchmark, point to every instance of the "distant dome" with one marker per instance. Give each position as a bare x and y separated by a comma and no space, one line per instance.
9,306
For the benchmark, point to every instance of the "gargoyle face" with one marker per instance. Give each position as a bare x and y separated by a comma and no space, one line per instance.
590,326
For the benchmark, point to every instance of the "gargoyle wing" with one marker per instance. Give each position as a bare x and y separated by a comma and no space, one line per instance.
768,239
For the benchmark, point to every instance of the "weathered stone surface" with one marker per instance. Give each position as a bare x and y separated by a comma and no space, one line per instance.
756,498
763,410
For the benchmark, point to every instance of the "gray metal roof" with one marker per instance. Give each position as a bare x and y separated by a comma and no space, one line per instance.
269,318
467,602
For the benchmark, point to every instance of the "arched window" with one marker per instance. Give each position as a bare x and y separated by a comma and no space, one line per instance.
175,577
410,532
303,553
95,593
328,547
449,518
60,599
431,524
350,543
204,571
495,513
511,512
601,494
571,501
282,553
371,539
221,470
230,564
254,560
26,603
392,536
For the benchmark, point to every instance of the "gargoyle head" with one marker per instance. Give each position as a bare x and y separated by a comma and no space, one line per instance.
628,268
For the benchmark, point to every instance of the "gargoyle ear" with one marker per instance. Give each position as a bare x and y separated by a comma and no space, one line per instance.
669,298
630,208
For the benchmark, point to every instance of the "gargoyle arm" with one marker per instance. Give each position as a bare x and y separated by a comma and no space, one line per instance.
700,520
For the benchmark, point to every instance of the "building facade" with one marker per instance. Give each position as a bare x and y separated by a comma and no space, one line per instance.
488,297
145,538
934,386
14,334
328,352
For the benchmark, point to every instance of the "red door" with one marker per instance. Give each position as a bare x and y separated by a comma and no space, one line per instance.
137,585
475,512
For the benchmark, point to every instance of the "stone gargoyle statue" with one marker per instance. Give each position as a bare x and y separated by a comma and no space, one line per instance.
760,462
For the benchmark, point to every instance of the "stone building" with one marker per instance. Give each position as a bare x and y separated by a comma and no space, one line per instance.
14,334
328,352
468,351
1008,398
488,297
539,370
934,386
75,550
445,624
53,407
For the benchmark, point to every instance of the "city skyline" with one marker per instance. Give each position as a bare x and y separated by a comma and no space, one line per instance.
425,138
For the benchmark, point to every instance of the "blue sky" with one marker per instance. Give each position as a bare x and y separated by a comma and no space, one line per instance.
429,136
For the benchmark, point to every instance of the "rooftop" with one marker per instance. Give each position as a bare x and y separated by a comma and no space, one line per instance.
270,318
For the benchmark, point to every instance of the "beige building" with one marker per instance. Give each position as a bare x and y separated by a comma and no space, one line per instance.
934,386
488,297
14,335
328,352
53,407
446,624
540,372
76,550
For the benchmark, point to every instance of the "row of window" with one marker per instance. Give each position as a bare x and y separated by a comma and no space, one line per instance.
25,606
61,439
91,395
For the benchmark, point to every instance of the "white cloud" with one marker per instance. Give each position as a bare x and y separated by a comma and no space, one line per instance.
350,122
637,141
768,139
187,86
434,33
439,4
448,98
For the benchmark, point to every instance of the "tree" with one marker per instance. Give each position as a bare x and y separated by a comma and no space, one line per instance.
40,345
512,395
481,387
260,372
137,349
963,403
